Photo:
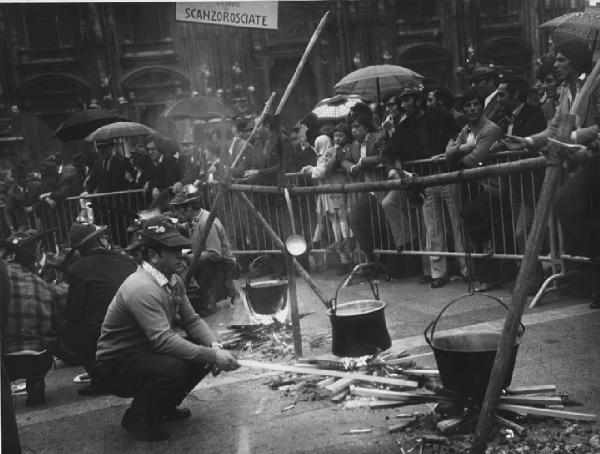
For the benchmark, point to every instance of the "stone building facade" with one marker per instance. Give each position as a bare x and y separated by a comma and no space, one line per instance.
56,59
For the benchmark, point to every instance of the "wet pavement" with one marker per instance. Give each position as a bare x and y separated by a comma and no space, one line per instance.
238,413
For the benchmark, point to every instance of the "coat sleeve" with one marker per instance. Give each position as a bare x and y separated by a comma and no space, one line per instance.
482,147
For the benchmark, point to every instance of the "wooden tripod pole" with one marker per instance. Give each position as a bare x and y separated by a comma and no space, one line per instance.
301,63
532,249
303,273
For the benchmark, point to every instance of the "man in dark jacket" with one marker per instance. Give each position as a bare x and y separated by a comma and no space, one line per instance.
93,281
109,173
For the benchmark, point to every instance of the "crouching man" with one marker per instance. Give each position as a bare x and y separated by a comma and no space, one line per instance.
139,354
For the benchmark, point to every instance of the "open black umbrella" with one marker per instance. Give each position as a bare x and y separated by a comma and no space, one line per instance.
198,107
79,125
582,25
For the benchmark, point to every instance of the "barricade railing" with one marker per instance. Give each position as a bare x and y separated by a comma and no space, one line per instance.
506,202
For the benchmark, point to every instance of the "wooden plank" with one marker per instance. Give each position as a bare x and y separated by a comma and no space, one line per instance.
402,425
339,396
532,400
538,389
379,404
323,383
562,414
397,395
432,373
339,385
329,373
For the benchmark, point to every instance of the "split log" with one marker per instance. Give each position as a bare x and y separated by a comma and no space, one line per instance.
340,385
539,389
379,404
324,383
339,396
330,373
431,373
397,395
403,425
533,400
561,414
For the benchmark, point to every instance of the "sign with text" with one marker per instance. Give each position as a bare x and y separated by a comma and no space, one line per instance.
236,14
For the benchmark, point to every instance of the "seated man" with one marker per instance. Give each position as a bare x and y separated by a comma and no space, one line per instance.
32,305
217,265
139,354
93,282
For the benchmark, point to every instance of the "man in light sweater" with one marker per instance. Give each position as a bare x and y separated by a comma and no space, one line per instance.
139,354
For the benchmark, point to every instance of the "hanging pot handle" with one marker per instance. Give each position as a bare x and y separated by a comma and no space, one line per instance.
251,266
373,284
430,330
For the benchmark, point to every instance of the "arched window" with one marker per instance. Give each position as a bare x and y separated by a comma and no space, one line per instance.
430,60
53,97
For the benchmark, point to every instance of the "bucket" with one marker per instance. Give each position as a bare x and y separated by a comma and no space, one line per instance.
465,359
265,297
358,327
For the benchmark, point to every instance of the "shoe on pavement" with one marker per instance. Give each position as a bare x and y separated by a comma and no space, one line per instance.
176,414
486,287
438,282
141,429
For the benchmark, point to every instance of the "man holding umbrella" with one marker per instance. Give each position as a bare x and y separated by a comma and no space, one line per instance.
112,172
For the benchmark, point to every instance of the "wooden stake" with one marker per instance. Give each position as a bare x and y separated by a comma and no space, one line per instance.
281,246
532,400
532,249
339,385
539,389
301,63
510,424
329,373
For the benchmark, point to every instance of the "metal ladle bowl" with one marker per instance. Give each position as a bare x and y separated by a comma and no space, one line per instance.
295,245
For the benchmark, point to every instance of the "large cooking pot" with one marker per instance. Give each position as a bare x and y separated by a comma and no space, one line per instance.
265,297
465,358
358,327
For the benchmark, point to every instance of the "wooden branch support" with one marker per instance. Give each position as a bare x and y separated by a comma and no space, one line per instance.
303,273
330,373
551,412
302,62
532,249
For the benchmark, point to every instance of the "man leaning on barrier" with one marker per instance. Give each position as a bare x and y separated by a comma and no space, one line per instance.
576,204
139,353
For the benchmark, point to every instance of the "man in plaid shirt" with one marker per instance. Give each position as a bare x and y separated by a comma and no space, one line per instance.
31,316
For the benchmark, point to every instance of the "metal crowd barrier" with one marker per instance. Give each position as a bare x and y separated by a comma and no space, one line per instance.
510,212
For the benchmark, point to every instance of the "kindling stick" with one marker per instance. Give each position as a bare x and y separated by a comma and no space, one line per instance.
532,250
328,373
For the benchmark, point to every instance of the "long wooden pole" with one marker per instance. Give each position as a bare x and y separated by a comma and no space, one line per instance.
281,246
296,76
532,249
329,373
477,173
258,121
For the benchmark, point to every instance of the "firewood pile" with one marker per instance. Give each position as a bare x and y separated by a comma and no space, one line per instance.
532,419
271,342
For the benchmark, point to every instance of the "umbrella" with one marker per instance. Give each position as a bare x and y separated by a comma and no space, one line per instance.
375,82
336,108
81,124
583,25
120,129
198,107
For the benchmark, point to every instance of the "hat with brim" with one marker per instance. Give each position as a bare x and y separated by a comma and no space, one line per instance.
82,233
24,240
161,231
136,241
